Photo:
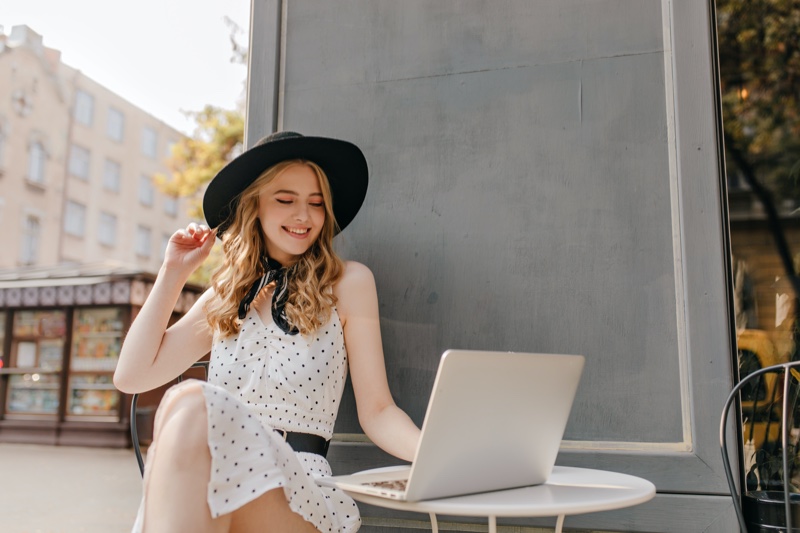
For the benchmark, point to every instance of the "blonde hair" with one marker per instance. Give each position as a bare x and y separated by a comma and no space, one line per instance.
311,278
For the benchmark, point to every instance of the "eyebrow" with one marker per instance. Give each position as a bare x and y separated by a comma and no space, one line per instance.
295,193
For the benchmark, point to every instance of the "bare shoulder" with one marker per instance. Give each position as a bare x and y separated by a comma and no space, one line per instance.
355,272
356,277
356,287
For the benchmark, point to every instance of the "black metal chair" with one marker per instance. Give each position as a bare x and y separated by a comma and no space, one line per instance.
134,430
761,386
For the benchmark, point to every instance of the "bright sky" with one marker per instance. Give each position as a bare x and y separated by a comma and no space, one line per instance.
163,56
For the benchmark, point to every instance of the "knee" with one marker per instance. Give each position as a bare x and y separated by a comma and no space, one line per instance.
182,415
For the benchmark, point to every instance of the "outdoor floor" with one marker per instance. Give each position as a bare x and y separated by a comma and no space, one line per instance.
61,489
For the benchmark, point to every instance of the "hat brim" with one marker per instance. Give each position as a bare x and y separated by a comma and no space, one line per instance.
343,162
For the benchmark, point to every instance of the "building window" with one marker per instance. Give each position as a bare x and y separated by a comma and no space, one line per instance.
149,142
79,162
147,191
171,206
2,149
107,229
143,241
84,107
75,218
30,240
115,127
36,161
112,174
170,147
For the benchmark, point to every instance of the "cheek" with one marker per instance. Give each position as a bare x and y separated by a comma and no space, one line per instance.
268,225
270,216
319,218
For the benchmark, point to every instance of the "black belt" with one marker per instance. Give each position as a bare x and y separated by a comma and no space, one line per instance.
305,442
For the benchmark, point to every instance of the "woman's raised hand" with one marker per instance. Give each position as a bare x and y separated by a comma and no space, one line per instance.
189,247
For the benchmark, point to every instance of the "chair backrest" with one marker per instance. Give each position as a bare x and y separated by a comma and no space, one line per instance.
135,431
781,396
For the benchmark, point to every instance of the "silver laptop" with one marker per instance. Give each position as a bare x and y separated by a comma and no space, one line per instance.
495,421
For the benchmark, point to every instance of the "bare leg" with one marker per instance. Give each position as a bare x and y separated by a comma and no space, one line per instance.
178,469
269,513
176,478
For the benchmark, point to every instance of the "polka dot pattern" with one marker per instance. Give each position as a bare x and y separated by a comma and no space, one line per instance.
262,379
290,382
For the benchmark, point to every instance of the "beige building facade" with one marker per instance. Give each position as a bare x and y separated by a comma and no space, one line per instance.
76,166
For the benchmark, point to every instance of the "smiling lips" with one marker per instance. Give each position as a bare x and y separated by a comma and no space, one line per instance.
297,232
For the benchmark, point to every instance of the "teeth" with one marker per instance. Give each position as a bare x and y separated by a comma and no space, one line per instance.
297,231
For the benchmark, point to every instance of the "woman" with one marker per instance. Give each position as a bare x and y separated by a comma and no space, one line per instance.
284,319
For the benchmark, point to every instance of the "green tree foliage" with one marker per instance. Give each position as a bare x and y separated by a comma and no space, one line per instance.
195,160
759,49
759,54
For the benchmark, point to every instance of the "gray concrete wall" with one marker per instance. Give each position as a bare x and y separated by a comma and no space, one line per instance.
544,177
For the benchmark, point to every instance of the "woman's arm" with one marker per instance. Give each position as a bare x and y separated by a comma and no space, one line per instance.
383,422
151,354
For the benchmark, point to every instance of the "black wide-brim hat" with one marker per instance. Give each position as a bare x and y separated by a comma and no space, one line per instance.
343,162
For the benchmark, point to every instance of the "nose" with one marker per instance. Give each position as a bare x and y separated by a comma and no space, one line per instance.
301,212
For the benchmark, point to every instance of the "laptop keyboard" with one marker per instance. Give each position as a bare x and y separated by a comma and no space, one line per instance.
399,484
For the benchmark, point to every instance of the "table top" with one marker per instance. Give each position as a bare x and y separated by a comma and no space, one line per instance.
568,491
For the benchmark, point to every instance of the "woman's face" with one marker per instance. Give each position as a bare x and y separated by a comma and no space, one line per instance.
291,210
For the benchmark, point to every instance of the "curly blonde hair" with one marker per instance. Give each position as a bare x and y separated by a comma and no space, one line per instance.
311,278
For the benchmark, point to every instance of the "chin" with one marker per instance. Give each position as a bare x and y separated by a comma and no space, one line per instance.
293,252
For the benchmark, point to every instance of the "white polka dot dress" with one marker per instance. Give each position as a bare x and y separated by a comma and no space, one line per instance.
264,379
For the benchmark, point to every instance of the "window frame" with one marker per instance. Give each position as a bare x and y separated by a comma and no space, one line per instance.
37,162
115,130
107,229
116,184
80,160
75,219
147,190
171,205
143,241
30,238
149,145
84,107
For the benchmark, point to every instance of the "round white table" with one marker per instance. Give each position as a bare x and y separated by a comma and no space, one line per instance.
568,491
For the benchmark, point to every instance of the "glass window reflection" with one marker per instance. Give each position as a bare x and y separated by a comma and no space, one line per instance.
759,60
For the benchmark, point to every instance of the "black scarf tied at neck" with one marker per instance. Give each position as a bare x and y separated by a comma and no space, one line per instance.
273,271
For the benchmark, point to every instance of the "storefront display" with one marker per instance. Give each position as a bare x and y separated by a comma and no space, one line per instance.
33,394
96,342
93,395
37,352
61,333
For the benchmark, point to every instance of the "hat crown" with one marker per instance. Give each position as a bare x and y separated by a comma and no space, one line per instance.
343,163
278,136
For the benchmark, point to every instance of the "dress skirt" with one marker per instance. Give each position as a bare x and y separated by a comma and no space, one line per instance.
248,459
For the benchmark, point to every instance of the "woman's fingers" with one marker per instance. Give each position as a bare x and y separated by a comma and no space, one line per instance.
193,232
197,231
189,246
210,237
